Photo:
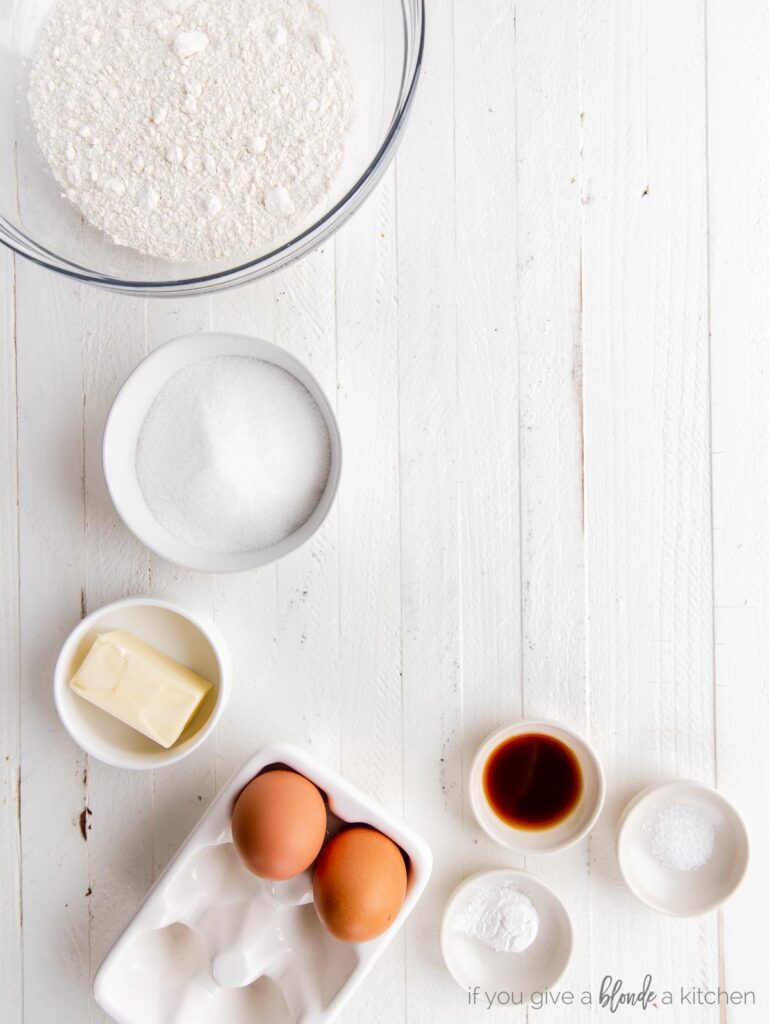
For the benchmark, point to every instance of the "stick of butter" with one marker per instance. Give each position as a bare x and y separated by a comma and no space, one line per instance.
138,684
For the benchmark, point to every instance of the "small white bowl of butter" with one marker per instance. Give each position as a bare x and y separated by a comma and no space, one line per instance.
176,633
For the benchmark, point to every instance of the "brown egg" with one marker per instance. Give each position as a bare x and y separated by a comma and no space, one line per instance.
359,884
279,824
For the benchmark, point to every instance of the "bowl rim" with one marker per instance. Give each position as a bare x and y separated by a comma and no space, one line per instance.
503,872
250,559
216,641
276,259
496,737
634,804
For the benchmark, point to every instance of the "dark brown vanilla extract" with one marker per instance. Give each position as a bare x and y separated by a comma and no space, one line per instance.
532,781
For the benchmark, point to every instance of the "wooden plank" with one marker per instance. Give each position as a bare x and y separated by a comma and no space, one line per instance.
550,344
487,377
647,477
120,823
487,363
55,876
738,81
434,749
10,721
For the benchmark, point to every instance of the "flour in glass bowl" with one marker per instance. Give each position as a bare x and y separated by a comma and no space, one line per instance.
192,130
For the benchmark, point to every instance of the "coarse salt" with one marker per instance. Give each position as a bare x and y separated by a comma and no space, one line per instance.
234,454
682,838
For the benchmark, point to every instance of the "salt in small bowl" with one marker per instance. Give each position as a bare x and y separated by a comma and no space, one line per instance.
673,892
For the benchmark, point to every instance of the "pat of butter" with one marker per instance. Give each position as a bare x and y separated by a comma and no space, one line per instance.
138,684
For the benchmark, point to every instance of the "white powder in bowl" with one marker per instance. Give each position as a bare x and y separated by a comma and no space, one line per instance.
501,917
234,454
682,838
192,129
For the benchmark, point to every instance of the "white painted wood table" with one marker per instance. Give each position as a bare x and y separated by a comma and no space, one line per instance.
547,335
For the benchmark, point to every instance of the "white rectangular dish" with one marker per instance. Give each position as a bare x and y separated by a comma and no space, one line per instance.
213,943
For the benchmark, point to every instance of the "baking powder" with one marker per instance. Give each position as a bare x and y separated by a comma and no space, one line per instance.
501,917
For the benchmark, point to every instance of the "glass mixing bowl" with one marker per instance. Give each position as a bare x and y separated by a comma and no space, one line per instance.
383,41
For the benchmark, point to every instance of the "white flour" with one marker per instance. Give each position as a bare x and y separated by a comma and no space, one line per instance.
192,129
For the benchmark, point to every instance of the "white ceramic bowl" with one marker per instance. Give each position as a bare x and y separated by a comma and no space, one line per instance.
567,832
192,922
472,964
682,893
177,632
124,424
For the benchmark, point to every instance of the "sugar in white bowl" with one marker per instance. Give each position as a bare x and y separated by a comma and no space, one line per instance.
233,455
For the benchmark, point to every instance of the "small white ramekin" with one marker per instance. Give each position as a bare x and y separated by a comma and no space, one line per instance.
181,634
682,893
475,966
121,436
567,832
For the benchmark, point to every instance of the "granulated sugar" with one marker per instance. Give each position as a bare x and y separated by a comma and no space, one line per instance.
682,838
233,455
192,129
